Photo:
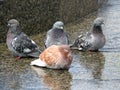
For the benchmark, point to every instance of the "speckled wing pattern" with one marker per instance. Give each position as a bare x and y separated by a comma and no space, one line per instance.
83,41
23,44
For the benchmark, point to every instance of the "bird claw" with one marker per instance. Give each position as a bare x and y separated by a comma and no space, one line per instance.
17,58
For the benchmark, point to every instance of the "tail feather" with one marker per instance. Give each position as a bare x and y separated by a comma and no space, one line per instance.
38,62
34,54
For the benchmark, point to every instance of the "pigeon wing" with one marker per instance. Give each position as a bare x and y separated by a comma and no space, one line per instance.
86,41
47,38
82,41
23,44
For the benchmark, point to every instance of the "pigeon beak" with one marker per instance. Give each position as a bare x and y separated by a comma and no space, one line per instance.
61,27
8,25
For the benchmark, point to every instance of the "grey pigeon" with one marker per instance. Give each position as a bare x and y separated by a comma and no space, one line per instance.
19,43
93,40
56,35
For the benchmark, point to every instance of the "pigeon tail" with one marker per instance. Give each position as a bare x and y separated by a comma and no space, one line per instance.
38,62
34,54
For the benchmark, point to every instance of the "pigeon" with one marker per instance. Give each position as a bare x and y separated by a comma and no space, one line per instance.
56,35
19,43
93,40
55,57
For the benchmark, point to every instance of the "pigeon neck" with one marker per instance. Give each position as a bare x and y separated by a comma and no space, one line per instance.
57,32
97,29
15,30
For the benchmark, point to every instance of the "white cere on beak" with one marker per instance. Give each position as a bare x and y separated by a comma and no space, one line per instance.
8,24
61,27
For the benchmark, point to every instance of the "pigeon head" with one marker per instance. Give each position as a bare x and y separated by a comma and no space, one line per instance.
58,25
98,21
13,23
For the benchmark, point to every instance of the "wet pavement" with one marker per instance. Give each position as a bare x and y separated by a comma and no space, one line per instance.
89,70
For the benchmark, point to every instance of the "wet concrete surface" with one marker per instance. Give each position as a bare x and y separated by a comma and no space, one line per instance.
89,70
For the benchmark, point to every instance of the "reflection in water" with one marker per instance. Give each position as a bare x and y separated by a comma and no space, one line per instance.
93,61
54,79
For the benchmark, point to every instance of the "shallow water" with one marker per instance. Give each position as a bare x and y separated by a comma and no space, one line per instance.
89,70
